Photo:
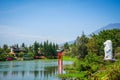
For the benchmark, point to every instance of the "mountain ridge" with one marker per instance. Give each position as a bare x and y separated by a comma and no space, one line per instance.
107,27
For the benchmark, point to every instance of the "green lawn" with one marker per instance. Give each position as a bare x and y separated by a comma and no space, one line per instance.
68,58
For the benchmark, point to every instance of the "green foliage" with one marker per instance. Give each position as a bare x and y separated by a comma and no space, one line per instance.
117,56
91,51
113,72
23,45
73,51
35,47
117,50
3,57
69,58
1,50
87,66
92,58
5,48
117,53
11,56
30,54
47,49
92,45
20,54
66,46
74,76
91,62
81,45
107,35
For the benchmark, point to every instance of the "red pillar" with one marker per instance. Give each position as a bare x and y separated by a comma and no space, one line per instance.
60,63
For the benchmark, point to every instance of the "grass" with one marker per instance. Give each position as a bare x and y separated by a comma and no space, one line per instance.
68,58
80,75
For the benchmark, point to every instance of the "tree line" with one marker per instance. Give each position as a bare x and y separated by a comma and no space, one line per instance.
46,49
93,43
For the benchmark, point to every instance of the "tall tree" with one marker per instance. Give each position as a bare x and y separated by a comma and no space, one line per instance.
92,45
81,45
66,46
35,47
1,50
23,45
5,48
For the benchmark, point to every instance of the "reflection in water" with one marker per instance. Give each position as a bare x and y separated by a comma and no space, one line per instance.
23,72
15,73
5,73
29,70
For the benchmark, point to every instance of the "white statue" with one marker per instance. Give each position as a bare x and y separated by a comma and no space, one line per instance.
108,50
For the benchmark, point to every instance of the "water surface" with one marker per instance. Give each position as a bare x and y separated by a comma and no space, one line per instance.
30,70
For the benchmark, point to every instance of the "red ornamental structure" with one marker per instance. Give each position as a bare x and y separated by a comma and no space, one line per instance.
60,61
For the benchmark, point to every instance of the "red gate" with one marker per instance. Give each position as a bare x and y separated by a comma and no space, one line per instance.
60,61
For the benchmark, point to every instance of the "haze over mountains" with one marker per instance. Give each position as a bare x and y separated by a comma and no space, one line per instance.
107,27
110,26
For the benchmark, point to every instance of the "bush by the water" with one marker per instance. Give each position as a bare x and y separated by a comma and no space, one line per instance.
89,65
3,57
91,62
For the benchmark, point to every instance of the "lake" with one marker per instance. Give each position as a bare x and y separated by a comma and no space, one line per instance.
30,70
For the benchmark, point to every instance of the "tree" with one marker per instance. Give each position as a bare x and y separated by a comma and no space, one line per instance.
8,50
30,49
73,50
92,45
35,47
104,35
81,45
66,46
5,47
1,50
47,49
23,45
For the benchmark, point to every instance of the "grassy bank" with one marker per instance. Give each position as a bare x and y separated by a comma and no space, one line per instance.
92,67
68,58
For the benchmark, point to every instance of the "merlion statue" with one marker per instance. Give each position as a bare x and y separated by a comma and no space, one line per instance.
108,50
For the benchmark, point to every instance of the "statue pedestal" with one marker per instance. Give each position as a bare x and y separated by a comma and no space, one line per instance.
110,60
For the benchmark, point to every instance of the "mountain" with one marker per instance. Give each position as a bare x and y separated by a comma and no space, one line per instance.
107,27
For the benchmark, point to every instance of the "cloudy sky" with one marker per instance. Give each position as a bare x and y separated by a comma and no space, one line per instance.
54,20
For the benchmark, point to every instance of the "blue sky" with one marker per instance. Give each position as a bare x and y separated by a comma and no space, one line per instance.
54,20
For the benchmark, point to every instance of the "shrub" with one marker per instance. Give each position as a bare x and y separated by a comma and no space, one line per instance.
3,57
113,72
117,56
30,54
20,54
11,56
117,50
